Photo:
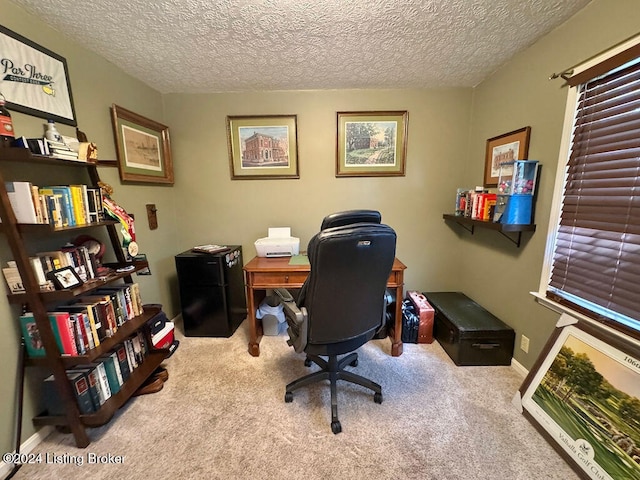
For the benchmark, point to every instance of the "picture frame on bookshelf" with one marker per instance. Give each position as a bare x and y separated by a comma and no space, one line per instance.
36,80
65,277
263,147
583,395
371,144
504,148
143,148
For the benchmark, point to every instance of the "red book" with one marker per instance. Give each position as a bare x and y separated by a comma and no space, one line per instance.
67,337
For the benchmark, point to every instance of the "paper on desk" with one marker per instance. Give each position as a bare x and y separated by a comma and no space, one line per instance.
299,260
279,232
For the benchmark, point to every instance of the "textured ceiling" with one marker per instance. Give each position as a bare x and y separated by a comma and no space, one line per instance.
224,45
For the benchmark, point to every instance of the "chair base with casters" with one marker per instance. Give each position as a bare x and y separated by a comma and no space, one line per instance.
341,305
333,369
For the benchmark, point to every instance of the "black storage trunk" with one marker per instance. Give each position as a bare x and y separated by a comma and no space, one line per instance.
468,333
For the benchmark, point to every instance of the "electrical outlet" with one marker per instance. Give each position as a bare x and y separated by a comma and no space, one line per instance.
524,343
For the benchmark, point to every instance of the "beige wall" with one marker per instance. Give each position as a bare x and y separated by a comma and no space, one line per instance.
448,129
517,95
215,209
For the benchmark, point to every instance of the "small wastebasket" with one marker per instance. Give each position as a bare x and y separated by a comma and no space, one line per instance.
271,312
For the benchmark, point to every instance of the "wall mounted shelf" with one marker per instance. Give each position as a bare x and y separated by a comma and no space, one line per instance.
510,231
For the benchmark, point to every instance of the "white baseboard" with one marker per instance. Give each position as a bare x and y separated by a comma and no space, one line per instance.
32,442
517,366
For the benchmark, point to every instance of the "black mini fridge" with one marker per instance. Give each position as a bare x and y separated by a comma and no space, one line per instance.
212,293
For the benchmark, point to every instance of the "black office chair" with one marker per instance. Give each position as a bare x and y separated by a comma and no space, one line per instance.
343,304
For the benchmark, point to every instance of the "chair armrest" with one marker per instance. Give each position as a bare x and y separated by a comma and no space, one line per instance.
297,323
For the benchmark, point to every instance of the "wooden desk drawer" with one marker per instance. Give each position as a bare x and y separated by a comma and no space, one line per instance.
278,279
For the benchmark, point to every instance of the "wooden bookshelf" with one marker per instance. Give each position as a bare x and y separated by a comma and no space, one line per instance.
23,240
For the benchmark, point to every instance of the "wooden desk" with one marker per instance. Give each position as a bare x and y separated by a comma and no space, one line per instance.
263,273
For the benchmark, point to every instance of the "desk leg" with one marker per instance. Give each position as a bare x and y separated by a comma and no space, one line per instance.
254,331
396,338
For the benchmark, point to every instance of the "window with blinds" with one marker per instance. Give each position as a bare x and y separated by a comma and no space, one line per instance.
596,261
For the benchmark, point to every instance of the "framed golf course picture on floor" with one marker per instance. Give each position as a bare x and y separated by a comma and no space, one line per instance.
583,395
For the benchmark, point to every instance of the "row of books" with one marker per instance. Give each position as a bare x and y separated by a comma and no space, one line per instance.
94,383
80,326
79,258
44,146
476,204
57,205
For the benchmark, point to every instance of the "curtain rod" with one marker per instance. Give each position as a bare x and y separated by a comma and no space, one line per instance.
566,74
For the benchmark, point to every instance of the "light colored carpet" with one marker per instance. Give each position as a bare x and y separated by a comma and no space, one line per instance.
222,415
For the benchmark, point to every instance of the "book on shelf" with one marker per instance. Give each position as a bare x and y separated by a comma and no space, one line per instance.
94,204
209,248
123,361
13,279
66,330
112,368
86,315
33,339
89,372
21,200
105,310
80,387
133,362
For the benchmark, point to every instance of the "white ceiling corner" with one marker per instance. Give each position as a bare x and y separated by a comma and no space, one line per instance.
191,46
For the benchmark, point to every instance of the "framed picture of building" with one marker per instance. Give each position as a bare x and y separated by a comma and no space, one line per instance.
371,144
583,395
263,147
502,149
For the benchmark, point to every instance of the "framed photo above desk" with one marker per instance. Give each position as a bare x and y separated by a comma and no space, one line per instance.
371,144
263,147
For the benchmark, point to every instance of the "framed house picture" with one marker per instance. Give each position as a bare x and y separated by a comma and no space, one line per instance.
371,144
142,147
583,395
263,147
35,80
505,148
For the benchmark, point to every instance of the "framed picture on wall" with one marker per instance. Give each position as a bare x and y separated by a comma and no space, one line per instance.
263,147
142,148
35,80
371,144
583,395
505,148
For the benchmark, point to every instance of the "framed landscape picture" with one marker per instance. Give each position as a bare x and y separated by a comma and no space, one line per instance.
371,144
142,147
505,148
583,395
263,147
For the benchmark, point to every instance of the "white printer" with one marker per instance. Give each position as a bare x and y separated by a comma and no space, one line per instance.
279,243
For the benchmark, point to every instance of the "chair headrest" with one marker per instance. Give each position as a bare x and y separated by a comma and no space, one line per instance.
349,217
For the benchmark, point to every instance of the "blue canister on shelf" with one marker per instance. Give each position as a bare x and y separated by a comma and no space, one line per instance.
517,210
